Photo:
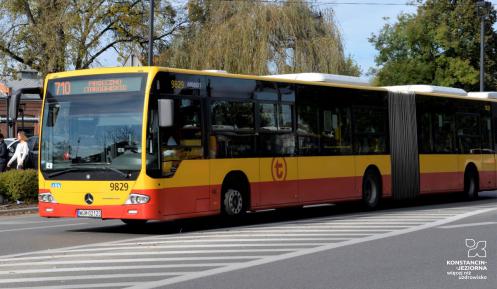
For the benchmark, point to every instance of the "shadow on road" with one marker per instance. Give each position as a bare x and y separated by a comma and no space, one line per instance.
339,211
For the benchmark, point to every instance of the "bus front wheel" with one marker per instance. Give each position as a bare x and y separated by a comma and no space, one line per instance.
371,190
233,203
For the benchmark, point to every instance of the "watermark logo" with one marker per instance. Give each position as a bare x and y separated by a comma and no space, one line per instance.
476,249
475,266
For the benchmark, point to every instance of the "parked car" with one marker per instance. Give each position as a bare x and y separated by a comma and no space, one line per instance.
9,141
32,161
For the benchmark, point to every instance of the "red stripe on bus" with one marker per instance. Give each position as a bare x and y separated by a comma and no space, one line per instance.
441,182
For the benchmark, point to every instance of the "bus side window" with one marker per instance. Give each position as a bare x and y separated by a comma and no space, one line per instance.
468,133
232,129
336,131
307,130
370,130
425,133
443,133
276,129
486,133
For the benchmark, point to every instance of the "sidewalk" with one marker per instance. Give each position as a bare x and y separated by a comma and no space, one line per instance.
14,209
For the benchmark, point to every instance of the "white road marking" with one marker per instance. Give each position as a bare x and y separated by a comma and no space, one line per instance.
88,277
329,227
114,268
264,243
234,240
133,260
363,220
182,246
84,286
42,227
176,252
282,234
232,267
303,230
467,225
360,222
25,222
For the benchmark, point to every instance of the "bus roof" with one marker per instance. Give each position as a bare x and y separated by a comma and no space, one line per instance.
103,70
323,77
431,89
320,79
483,94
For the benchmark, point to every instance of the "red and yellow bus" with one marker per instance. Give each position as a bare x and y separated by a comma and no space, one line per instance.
152,143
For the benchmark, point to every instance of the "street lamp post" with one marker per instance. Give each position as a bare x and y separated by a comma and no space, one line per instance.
21,110
483,7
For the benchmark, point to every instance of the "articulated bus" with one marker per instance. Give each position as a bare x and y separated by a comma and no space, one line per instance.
152,143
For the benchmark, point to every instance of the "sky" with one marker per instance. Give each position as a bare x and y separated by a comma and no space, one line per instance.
357,19
358,22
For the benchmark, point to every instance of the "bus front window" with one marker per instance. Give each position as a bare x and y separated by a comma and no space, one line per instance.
92,132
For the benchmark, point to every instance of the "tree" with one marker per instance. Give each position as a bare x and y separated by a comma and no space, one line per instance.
438,45
259,37
55,35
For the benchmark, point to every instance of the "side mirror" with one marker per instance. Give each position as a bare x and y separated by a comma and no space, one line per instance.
166,112
15,99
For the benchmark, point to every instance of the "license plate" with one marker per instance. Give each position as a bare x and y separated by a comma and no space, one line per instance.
89,213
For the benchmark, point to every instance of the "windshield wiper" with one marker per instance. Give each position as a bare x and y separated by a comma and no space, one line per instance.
106,166
68,170
82,167
123,174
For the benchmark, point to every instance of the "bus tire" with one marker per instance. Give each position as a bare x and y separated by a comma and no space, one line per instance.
471,184
134,222
371,190
233,202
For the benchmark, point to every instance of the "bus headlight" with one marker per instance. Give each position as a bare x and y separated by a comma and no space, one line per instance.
46,198
134,199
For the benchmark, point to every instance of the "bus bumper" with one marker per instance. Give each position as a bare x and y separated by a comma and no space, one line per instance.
144,211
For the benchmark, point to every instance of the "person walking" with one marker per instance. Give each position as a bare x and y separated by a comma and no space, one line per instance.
22,151
4,154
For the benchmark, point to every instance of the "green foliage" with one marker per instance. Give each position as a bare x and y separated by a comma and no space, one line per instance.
259,37
19,184
51,36
438,45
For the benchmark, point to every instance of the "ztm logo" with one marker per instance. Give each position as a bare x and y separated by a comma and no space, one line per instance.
56,185
278,169
476,249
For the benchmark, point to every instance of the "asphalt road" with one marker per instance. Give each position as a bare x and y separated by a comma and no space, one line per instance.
424,245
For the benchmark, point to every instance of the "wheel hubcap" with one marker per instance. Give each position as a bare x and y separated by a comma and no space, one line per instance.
235,201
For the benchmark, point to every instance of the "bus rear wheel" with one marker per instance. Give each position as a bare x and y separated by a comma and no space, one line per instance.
470,185
233,203
371,190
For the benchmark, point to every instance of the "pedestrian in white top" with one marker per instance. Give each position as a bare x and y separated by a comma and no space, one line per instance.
21,152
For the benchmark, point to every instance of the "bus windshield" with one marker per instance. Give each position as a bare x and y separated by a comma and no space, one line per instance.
89,126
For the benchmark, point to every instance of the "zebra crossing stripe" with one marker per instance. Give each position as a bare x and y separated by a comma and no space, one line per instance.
89,277
232,267
84,286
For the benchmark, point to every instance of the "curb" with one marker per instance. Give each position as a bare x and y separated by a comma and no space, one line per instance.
19,211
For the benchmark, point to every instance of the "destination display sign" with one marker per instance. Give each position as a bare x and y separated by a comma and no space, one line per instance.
95,85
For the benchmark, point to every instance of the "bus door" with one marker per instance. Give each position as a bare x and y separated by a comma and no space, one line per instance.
278,165
183,165
488,133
